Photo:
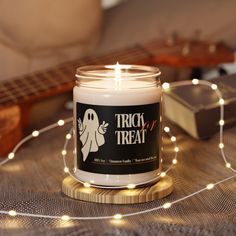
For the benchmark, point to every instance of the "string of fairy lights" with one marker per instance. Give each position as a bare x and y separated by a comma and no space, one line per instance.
118,216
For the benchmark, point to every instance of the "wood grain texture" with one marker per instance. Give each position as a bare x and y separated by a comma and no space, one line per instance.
76,190
10,128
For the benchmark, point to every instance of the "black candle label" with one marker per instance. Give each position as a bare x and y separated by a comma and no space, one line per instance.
117,139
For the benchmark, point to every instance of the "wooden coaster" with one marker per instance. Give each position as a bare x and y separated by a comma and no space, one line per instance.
76,190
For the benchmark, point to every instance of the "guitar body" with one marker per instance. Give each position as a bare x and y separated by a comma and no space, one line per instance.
10,128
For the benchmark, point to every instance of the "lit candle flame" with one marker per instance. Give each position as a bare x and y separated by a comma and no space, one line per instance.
117,76
117,71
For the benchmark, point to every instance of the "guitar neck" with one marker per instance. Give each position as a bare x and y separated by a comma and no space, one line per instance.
60,79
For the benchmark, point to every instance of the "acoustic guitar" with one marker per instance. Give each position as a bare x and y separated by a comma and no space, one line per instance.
19,94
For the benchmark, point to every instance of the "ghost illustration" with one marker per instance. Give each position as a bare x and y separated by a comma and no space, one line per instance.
91,133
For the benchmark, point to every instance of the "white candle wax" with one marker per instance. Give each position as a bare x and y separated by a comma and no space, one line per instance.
111,92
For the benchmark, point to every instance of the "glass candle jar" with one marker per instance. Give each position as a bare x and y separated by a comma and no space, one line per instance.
117,121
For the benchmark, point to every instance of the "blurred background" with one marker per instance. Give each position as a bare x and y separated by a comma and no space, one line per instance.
39,34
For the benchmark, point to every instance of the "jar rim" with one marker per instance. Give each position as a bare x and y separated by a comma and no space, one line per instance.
129,72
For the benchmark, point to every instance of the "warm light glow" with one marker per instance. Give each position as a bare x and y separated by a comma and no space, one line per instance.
167,129
228,165
63,152
66,169
68,136
87,185
167,205
221,122
214,86
131,186
165,85
35,133
195,81
222,101
210,186
11,155
61,122
173,138
65,217
126,67
118,223
221,145
163,174
117,216
174,161
176,149
12,213
117,71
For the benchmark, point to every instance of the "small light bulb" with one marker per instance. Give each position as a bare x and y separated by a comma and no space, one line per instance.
11,155
167,129
221,145
131,186
117,216
63,152
167,205
222,101
163,174
165,86
66,169
176,149
173,138
161,160
87,185
221,122
228,165
68,136
174,161
210,186
65,217
195,81
35,133
214,86
12,213
61,122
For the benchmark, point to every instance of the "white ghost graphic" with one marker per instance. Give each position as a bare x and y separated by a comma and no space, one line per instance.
91,133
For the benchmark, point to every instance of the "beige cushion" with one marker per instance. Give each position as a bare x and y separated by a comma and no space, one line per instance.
41,33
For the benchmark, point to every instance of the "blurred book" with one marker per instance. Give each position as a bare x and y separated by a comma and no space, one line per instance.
196,109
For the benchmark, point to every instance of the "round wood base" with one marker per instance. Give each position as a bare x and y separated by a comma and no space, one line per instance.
76,190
